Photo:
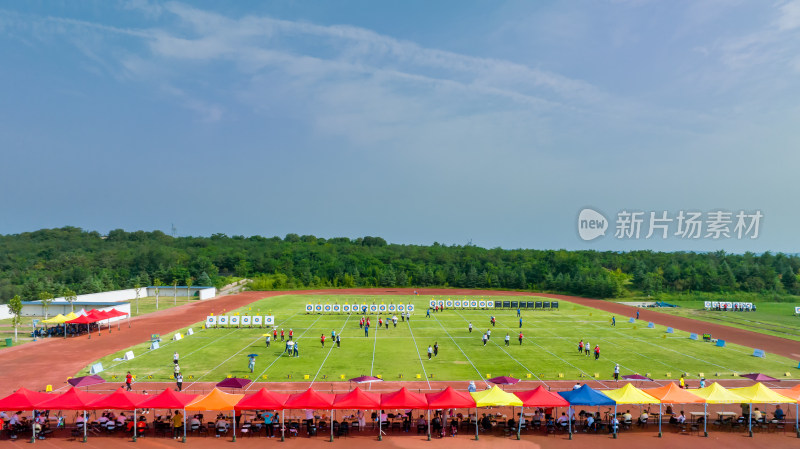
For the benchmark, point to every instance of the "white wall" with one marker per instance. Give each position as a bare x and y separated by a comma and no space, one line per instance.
168,292
5,312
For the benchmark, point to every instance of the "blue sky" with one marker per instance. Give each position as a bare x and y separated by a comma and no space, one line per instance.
448,121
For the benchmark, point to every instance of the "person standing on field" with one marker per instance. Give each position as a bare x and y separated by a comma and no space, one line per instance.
508,339
520,338
175,358
268,340
322,340
129,380
616,372
435,348
470,327
597,352
485,339
430,351
179,381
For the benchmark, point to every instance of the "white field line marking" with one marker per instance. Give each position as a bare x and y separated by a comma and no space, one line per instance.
459,348
513,358
333,342
284,350
419,356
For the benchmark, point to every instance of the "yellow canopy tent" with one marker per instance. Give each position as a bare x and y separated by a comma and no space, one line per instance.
672,394
631,395
70,316
759,394
494,397
216,400
717,394
58,319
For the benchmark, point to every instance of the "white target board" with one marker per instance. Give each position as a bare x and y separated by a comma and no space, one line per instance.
222,320
318,308
346,308
309,308
247,321
337,308
211,321
269,320
401,308
373,308
234,320
432,303
257,321
410,308
457,303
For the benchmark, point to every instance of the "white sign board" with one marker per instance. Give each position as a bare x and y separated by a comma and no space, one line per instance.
154,345
97,368
269,320
128,355
177,336
190,331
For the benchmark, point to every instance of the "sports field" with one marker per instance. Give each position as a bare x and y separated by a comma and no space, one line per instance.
549,349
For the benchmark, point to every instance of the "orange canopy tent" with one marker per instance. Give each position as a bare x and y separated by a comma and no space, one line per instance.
216,400
672,394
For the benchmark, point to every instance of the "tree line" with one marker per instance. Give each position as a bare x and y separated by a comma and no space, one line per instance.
66,260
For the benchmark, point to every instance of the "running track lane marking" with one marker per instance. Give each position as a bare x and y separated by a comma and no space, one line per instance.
462,351
333,342
512,357
419,356
284,349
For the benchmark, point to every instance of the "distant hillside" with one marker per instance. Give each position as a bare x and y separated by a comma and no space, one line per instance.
52,260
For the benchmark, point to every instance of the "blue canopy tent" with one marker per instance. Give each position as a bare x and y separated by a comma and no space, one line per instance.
585,395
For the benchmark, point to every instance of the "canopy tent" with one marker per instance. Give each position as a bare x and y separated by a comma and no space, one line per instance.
365,379
716,394
71,316
72,399
215,400
759,394
540,397
121,400
503,380
449,398
234,382
759,377
493,397
672,394
85,381
585,395
114,313
168,399
24,399
794,393
629,394
357,399
83,319
403,398
58,319
311,399
263,399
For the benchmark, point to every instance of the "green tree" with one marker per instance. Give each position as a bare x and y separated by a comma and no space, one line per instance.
157,284
70,297
46,298
15,307
204,279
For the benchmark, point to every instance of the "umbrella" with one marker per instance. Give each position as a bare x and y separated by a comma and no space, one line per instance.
85,381
636,377
503,380
252,355
234,382
758,377
365,379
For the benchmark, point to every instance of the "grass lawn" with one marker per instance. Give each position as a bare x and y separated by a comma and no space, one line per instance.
549,349
772,318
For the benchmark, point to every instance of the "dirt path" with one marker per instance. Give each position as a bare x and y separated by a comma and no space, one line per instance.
51,361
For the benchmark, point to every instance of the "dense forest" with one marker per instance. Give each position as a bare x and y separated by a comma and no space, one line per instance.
51,261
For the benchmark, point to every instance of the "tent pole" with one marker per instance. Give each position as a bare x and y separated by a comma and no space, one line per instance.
429,424
283,438
33,428
84,426
750,421
184,425
476,422
660,405
331,425
569,420
613,426
519,422
380,426
705,419
134,425
234,410
797,419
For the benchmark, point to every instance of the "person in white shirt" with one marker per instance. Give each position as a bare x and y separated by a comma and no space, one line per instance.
681,418
577,386
195,421
589,423
562,420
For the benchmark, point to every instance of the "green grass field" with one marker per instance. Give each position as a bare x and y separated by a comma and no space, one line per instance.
549,350
770,318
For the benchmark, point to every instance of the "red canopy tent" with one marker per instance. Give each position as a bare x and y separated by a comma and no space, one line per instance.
450,398
121,400
113,313
403,398
311,399
168,399
83,319
357,399
540,397
24,399
72,399
263,399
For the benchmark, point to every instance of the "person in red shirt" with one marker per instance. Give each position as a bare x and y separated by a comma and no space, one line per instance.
520,338
128,380
275,334
291,334
597,352
282,335
380,322
322,340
